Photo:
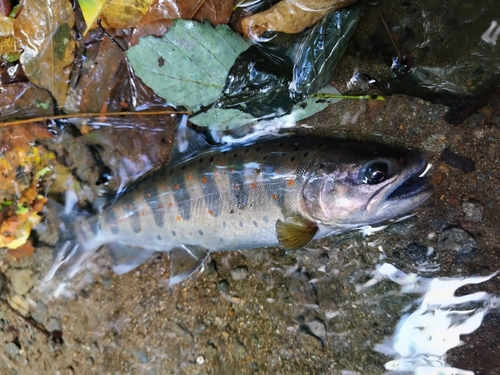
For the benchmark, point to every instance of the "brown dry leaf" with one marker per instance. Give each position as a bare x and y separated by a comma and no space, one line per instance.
24,100
290,16
215,11
23,251
160,15
121,14
5,7
43,32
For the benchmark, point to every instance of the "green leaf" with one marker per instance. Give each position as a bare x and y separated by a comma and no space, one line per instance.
188,66
225,119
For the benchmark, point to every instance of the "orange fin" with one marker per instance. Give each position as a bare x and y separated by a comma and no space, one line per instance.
293,236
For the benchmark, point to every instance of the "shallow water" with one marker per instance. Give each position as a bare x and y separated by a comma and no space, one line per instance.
272,311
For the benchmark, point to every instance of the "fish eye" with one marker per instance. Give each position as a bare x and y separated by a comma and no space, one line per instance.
375,172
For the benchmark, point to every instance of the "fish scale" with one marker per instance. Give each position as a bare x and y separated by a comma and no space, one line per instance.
285,192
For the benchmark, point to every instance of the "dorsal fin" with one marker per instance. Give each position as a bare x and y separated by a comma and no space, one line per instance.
293,236
186,143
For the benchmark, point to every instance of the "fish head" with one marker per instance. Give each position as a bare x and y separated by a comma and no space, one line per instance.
355,185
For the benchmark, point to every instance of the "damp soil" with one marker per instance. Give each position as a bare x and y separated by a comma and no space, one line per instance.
274,311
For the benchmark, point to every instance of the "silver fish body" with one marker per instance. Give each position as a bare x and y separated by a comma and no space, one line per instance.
285,191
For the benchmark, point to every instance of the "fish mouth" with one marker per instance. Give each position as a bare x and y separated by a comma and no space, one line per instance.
415,184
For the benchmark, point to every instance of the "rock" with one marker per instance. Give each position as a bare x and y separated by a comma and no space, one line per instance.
11,349
22,280
456,239
435,143
54,325
473,211
239,273
40,312
223,286
317,328
142,356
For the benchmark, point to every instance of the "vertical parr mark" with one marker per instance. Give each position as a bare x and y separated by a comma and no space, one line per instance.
153,199
181,197
275,186
110,219
211,194
133,216
238,186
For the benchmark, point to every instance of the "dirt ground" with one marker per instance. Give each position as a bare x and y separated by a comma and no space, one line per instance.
273,311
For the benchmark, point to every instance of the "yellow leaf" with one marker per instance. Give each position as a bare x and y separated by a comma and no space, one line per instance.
7,46
90,10
121,14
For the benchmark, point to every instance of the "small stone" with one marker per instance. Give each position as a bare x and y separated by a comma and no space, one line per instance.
40,312
11,349
200,360
142,356
239,273
318,328
22,280
20,304
223,286
435,143
54,325
456,239
473,211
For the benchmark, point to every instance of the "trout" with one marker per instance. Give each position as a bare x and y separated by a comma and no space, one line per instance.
285,191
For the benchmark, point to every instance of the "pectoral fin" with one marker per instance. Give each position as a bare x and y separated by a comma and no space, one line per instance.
127,257
293,236
186,260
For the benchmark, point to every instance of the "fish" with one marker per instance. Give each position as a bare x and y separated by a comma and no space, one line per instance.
285,191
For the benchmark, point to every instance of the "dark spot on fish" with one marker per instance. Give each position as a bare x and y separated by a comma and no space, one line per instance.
241,224
152,198
306,154
110,219
224,153
200,232
296,148
231,212
235,155
171,171
320,145
264,158
201,160
211,159
246,151
174,233
182,198
265,219
133,217
283,153
183,167
292,159
321,166
255,224
257,149
161,62
159,237
281,145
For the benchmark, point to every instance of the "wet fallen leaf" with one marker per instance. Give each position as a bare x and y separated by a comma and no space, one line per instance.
189,65
24,100
215,11
47,44
5,7
161,15
117,14
90,10
8,51
292,16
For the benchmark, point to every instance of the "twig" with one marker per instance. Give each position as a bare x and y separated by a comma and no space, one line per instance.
90,115
28,320
389,33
